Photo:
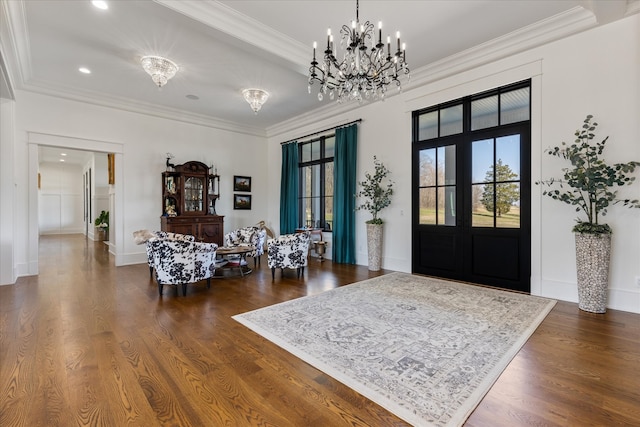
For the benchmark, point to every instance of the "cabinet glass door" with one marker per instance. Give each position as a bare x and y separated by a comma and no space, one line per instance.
193,194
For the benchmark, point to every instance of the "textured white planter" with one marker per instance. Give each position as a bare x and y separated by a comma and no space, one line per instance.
592,262
374,246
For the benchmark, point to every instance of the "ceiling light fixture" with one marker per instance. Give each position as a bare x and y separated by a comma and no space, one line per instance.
160,69
100,4
365,69
84,70
255,98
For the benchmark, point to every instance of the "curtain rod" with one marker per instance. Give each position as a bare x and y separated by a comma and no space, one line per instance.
321,131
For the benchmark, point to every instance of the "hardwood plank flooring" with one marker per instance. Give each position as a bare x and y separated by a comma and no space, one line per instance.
87,344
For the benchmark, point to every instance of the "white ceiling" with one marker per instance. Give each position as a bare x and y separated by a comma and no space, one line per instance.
225,46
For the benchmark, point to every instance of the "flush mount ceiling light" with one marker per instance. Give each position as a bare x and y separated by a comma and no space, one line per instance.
255,98
364,70
100,4
160,69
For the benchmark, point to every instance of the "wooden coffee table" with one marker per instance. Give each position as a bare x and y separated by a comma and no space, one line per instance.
230,254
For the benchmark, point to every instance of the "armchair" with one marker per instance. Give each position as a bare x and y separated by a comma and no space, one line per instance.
288,251
248,236
180,262
143,236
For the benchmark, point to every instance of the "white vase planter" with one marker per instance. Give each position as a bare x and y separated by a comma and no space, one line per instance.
592,262
374,246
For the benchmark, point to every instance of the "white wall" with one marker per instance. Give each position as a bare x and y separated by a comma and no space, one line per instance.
60,198
8,272
144,142
595,72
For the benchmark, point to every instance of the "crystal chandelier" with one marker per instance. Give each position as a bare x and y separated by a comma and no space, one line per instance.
160,69
255,98
365,70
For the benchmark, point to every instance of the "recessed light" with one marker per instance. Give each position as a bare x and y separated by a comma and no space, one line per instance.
84,70
62,160
193,97
63,154
100,4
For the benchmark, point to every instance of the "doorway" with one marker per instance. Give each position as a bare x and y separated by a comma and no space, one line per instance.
471,177
115,203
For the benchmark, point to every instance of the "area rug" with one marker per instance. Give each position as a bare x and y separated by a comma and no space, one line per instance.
427,350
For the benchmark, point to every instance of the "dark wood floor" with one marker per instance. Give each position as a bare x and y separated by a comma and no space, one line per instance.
86,343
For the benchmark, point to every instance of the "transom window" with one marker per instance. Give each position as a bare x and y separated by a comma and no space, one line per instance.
316,183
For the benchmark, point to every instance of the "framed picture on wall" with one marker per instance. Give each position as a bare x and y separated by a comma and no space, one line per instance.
241,183
241,201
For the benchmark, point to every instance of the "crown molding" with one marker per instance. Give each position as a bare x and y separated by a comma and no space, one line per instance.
154,110
15,35
559,26
241,27
333,110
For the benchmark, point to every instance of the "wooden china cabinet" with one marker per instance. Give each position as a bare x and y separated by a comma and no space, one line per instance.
189,195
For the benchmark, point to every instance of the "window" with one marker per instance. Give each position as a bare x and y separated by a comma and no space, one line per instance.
316,183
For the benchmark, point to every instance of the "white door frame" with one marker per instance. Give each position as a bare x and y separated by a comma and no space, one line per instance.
36,139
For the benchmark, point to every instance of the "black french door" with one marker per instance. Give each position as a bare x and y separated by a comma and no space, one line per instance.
471,210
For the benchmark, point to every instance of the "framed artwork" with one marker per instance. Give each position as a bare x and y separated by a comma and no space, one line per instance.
241,201
241,183
111,162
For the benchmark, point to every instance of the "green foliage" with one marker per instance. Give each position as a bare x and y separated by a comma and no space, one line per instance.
590,179
506,194
103,221
377,196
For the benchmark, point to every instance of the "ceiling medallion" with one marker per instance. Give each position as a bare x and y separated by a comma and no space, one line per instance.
365,70
255,98
160,69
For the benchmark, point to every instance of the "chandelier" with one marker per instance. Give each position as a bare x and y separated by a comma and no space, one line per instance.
365,70
255,98
160,69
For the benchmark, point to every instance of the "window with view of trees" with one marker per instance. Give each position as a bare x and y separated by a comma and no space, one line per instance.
316,183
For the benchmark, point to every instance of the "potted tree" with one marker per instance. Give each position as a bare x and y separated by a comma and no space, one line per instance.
102,225
590,180
377,196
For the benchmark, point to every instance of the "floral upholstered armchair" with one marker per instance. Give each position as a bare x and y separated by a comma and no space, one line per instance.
180,262
143,236
288,251
248,236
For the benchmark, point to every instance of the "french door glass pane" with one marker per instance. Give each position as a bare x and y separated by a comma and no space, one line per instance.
514,106
508,151
428,126
482,161
484,112
481,206
427,205
451,120
427,167
446,205
508,205
447,165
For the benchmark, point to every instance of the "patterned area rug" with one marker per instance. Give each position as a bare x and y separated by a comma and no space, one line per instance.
428,350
